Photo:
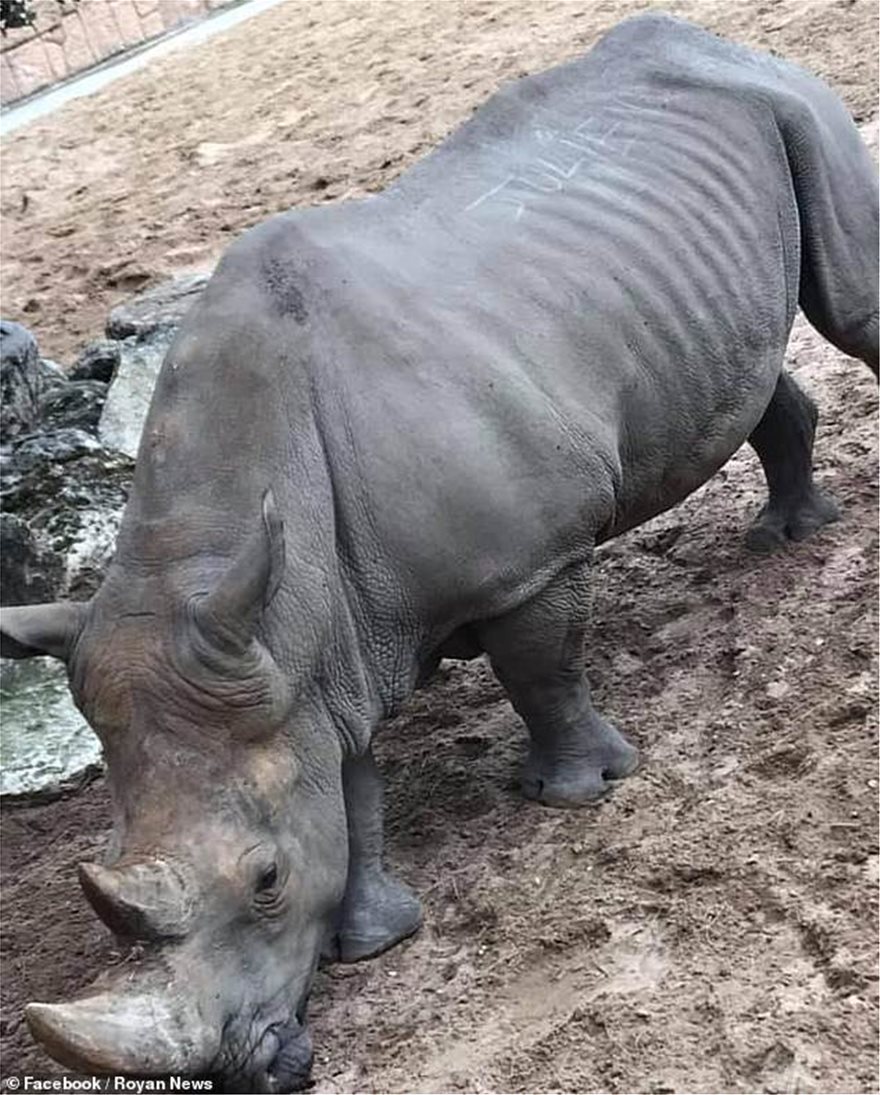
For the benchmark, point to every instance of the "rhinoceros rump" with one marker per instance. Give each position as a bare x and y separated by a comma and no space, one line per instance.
397,428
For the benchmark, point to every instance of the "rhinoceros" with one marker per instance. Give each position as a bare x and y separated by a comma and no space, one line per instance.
396,429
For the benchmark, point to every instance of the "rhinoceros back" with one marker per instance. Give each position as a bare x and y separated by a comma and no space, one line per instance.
632,232
568,316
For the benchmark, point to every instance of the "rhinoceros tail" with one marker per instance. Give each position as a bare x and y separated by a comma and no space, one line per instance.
835,184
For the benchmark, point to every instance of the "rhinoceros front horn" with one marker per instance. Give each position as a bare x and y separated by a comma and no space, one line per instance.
149,899
144,1027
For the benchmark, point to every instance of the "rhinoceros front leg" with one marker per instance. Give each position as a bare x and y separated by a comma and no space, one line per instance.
377,910
783,440
537,652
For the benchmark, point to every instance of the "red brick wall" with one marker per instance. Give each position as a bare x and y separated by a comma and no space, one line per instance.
68,37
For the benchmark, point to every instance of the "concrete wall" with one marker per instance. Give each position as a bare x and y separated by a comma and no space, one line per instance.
69,37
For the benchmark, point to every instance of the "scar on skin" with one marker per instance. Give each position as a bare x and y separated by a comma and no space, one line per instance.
489,193
549,177
288,298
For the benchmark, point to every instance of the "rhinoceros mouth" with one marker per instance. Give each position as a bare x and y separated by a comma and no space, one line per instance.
291,1069
279,1060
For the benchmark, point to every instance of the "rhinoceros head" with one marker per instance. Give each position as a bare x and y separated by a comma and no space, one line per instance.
229,850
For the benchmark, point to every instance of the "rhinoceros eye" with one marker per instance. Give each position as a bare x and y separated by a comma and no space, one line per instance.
267,879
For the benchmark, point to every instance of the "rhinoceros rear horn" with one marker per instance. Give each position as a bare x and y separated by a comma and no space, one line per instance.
232,611
145,900
147,1024
28,631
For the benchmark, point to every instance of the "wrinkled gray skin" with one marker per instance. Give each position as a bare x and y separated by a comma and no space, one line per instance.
396,429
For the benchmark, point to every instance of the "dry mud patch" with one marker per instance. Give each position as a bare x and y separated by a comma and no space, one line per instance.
712,926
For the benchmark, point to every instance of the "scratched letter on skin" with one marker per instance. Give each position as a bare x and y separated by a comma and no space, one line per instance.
561,156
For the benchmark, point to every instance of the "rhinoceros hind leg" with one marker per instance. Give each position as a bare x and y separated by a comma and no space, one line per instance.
537,652
377,910
783,440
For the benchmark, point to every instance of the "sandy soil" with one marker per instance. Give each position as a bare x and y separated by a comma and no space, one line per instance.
712,927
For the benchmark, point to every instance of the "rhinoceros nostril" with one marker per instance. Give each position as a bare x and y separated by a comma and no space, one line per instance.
291,1069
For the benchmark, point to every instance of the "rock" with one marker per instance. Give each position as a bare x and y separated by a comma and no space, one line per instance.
29,788
146,325
156,309
778,690
45,738
28,574
76,404
53,374
21,380
26,381
70,491
98,361
62,488
38,450
128,399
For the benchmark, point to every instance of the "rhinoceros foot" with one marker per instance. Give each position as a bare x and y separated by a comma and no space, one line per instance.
378,912
778,524
571,780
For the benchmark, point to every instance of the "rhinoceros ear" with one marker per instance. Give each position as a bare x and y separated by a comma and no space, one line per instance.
28,631
232,611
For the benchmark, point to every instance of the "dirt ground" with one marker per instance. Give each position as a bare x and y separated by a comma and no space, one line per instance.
713,925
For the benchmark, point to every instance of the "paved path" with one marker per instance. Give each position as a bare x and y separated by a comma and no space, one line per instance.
89,82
